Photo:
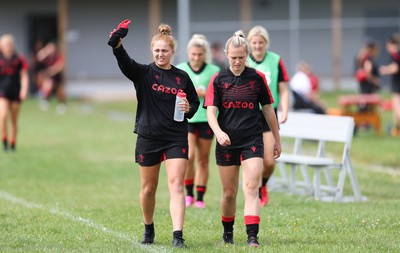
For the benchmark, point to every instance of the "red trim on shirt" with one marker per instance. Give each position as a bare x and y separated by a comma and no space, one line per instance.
266,85
284,72
209,98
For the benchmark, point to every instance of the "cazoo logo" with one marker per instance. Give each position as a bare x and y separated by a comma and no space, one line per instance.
238,105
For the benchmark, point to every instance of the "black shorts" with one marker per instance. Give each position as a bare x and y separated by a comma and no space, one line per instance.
395,87
150,151
229,157
11,95
264,123
201,130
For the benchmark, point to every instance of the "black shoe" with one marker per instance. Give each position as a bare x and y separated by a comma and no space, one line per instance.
178,242
12,146
253,241
148,237
228,237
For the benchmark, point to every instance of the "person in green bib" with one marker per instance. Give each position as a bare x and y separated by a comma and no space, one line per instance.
200,135
272,66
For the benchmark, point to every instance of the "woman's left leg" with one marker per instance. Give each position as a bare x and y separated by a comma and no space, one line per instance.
251,176
4,104
176,169
202,173
14,109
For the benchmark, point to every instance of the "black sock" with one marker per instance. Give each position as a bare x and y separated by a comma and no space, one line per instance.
228,226
264,181
12,145
178,234
252,230
149,227
189,189
5,144
200,192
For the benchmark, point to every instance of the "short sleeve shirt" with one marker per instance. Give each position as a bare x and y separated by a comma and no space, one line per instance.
238,99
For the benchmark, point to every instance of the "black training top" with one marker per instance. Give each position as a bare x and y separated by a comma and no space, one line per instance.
10,69
238,99
156,91
395,82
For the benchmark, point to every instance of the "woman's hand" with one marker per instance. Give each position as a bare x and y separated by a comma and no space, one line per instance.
118,33
184,105
223,139
277,150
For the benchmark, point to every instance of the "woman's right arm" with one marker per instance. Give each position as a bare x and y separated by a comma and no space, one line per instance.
127,65
389,69
222,137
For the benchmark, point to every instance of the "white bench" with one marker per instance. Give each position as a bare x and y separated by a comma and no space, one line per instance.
310,135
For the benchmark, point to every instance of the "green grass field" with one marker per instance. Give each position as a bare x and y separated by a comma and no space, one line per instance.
72,186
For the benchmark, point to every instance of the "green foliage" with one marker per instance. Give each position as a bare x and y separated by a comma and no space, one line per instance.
73,186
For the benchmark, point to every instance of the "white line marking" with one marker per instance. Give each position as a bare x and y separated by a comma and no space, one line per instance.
10,198
392,171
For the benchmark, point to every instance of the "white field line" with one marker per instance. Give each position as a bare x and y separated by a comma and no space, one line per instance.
382,169
15,200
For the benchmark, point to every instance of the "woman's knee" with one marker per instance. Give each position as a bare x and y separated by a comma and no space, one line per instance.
176,185
251,187
269,163
229,195
202,164
148,190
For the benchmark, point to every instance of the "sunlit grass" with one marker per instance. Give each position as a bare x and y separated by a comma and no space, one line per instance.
72,186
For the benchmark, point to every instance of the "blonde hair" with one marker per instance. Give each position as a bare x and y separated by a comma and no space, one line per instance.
8,42
7,37
166,35
303,66
199,40
261,31
237,40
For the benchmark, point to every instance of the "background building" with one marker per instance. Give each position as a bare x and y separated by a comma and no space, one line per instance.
326,33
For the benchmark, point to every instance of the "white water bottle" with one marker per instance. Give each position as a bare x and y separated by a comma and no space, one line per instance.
178,114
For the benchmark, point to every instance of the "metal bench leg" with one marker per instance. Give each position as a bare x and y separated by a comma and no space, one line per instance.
317,183
306,177
292,178
284,175
341,181
328,178
353,179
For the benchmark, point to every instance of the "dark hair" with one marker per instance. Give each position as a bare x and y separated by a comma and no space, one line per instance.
394,39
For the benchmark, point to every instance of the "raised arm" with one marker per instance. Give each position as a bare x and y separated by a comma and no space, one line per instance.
127,65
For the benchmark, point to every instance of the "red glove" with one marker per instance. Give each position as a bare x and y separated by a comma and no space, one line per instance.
124,24
361,75
120,32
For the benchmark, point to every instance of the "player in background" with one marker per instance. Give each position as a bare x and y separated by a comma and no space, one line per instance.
200,135
51,73
272,66
14,84
393,69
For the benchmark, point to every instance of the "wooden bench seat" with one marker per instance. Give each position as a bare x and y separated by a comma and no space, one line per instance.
364,108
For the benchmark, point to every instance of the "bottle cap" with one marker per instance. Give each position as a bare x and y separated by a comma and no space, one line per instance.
181,94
